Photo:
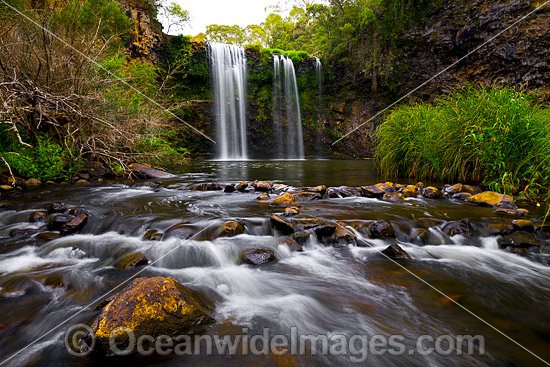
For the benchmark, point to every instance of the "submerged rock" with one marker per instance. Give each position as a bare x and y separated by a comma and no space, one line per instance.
395,252
131,261
263,196
286,199
293,245
151,306
519,239
54,280
257,256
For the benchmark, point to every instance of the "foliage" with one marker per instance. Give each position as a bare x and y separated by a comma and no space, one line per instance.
46,161
175,17
497,137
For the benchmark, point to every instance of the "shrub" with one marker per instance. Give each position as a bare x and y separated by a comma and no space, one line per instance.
497,137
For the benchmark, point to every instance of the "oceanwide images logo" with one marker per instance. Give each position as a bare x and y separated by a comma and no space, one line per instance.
356,348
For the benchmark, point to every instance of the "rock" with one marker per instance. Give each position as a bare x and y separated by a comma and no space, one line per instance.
212,186
347,191
473,190
321,189
381,229
58,208
386,187
81,182
37,216
523,225
54,280
490,198
519,239
464,196
148,172
497,229
257,256
242,186
371,192
5,188
455,189
431,192
392,197
131,261
57,220
291,211
293,245
151,306
281,225
261,186
152,235
303,236
46,236
420,186
324,231
181,230
33,182
231,229
411,191
306,195
286,199
229,189
74,225
263,196
395,252
513,212
462,227
342,236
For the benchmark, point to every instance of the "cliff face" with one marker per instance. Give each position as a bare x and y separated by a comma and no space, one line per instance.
146,39
519,57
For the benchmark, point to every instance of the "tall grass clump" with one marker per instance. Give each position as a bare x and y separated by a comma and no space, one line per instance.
499,138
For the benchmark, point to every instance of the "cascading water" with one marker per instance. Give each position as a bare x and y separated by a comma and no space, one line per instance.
228,65
288,125
319,149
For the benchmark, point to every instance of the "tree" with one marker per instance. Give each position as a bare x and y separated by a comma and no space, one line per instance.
175,17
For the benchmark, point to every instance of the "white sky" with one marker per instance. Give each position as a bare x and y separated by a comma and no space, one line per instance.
226,12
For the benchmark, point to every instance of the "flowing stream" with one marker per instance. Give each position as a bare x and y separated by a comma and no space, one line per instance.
324,290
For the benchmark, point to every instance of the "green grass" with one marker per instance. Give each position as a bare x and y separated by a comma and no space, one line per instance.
499,138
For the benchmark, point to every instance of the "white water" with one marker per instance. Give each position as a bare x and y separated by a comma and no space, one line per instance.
286,110
228,65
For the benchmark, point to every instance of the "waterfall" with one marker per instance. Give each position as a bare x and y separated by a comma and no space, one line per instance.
319,149
287,125
228,70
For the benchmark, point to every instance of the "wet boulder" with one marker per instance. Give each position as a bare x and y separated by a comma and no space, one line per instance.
455,189
74,225
229,189
392,197
347,191
211,186
462,227
286,199
321,189
152,235
342,236
302,237
37,216
386,187
523,225
142,170
519,239
306,195
464,196
490,198
381,229
44,237
57,220
292,245
281,225
151,306
257,256
497,229
372,192
263,197
395,252
431,192
261,186
291,211
411,191
33,182
58,208
242,186
131,261
231,229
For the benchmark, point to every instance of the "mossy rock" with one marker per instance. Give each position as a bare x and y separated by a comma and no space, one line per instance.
131,261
